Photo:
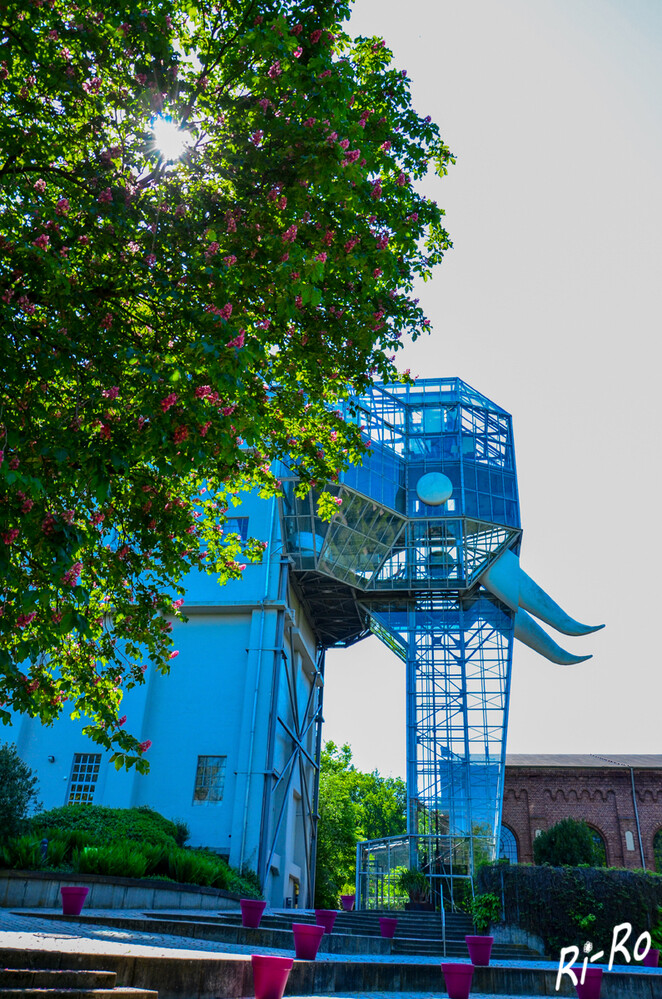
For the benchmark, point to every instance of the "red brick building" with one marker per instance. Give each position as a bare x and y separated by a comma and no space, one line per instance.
620,797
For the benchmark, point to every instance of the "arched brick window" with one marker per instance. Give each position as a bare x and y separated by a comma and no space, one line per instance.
600,847
508,845
657,850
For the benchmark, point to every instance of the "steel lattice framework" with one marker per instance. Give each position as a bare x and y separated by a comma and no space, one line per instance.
409,572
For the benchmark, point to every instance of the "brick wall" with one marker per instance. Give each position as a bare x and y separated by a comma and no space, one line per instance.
539,797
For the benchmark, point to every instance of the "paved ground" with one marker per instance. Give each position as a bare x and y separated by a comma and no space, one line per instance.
17,929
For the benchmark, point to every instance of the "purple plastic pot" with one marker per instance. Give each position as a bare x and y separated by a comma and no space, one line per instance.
307,938
73,899
326,918
270,975
652,958
347,902
480,948
458,980
387,925
592,982
251,912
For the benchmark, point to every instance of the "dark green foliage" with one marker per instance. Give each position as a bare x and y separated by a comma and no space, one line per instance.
106,826
18,791
182,833
485,908
21,853
123,860
353,806
415,883
557,903
568,842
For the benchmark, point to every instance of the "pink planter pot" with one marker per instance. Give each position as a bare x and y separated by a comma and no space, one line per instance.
251,912
73,900
480,948
347,902
387,925
326,918
592,982
458,980
270,975
307,938
652,958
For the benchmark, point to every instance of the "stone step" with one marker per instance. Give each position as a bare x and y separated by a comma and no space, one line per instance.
32,978
59,993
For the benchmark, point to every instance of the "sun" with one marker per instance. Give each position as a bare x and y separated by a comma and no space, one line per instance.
170,140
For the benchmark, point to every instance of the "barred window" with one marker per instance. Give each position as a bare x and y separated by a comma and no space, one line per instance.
209,779
84,777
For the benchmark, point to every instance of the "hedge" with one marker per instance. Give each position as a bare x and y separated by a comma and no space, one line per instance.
106,826
570,905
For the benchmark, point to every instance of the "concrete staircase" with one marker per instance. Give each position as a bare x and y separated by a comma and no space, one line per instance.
417,933
24,983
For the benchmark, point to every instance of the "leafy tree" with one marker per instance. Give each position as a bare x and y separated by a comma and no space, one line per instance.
18,791
210,232
353,806
569,842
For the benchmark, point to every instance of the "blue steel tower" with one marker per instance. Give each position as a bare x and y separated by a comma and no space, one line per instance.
423,553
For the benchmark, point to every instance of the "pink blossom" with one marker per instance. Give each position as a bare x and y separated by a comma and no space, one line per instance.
68,516
144,746
297,52
385,146
62,206
315,36
275,70
121,721
238,340
111,393
321,256
382,242
337,500
230,260
309,122
257,136
83,240
23,620
376,189
168,401
141,79
232,225
290,234
14,463
350,244
327,72
344,143
10,536
150,259
181,433
297,29
226,311
71,576
92,86
202,391
97,518
402,180
173,655
211,250
264,103
41,241
106,197
178,603
107,322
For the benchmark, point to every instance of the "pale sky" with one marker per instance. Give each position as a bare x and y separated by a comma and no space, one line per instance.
550,305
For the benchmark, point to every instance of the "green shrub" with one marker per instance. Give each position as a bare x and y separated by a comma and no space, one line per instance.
21,853
485,908
18,791
567,906
415,883
124,860
183,832
103,826
192,867
568,842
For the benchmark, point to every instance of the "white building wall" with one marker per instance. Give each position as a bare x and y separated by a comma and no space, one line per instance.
226,695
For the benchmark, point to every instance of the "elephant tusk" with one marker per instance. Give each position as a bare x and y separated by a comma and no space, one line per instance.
530,633
508,581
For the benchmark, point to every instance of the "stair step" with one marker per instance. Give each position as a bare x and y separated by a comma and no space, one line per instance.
63,993
30,978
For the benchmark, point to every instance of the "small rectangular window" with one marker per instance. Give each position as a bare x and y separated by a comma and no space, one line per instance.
237,525
209,779
84,777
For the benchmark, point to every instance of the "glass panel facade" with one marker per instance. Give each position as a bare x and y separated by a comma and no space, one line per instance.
414,570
